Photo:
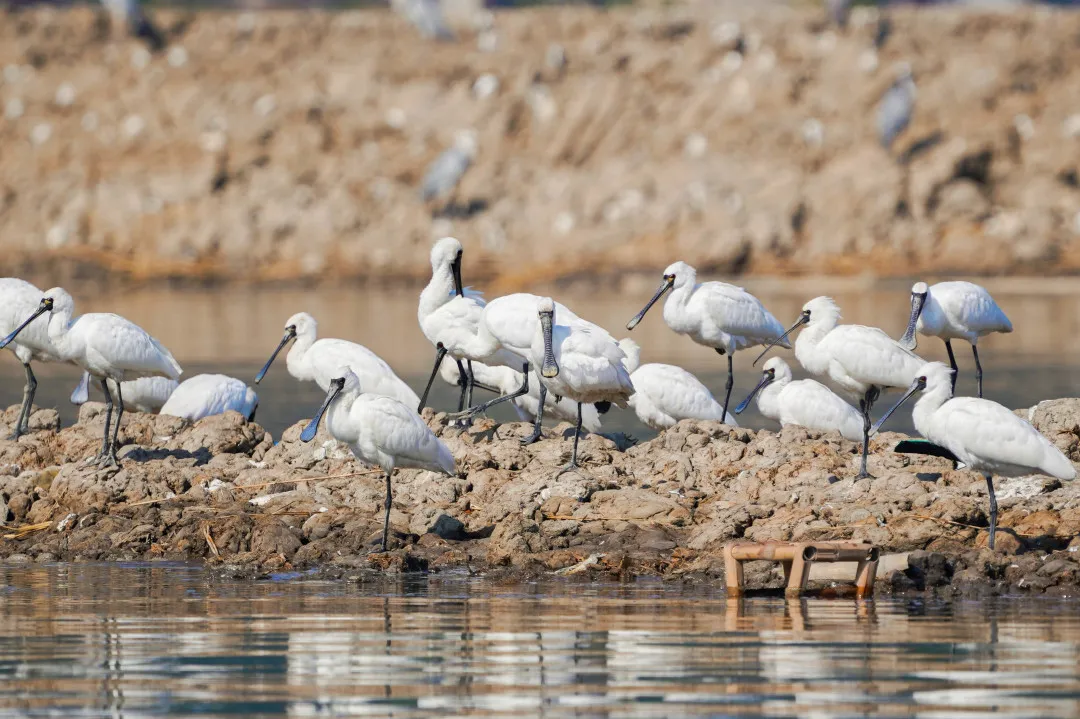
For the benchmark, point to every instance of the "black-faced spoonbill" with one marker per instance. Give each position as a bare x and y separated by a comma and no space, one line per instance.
580,361
862,361
803,402
18,299
954,311
984,435
450,319
665,394
715,314
315,360
208,394
107,346
146,394
380,432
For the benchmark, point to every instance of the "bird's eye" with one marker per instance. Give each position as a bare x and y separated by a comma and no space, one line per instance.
772,373
291,328
669,278
922,380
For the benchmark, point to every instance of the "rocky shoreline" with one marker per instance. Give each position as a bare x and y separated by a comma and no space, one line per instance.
221,491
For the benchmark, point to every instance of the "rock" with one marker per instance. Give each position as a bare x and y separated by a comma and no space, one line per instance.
448,528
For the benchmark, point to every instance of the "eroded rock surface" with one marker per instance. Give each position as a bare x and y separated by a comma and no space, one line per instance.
220,490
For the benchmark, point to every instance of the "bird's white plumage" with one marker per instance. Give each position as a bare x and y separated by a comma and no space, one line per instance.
806,403
716,314
852,357
106,345
510,323
508,380
208,394
316,360
146,394
383,432
665,394
984,435
19,300
589,359
960,310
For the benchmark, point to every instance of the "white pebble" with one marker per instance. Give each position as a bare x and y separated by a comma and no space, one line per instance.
65,95
177,57
731,63
485,86
213,141
14,108
140,58
134,125
396,118
90,121
695,146
541,102
487,41
564,223
726,33
813,132
1071,127
1025,126
41,133
265,105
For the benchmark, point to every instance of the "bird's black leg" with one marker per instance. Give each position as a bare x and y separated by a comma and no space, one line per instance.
536,433
440,353
577,435
730,382
22,425
108,418
978,368
463,382
111,459
386,515
952,363
472,383
865,404
522,390
993,508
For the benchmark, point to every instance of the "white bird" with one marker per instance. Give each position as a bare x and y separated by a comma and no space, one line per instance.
426,16
896,107
508,325
208,394
803,402
579,361
954,311
315,360
450,319
984,435
715,314
146,394
18,299
862,361
665,394
380,432
129,14
107,346
444,174
506,380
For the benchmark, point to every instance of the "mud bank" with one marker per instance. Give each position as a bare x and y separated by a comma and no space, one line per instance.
221,491
737,136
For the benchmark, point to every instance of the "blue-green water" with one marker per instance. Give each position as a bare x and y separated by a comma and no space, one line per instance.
164,639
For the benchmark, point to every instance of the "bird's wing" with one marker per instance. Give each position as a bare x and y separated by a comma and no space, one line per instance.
871,355
328,356
811,404
676,392
456,322
112,340
979,428
973,306
398,431
738,313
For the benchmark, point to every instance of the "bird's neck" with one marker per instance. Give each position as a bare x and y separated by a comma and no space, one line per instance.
438,292
931,401
299,349
59,323
768,400
806,346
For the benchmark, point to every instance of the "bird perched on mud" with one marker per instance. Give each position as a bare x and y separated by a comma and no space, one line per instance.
954,310
380,432
443,175
665,394
715,314
205,395
805,402
426,16
862,361
108,347
896,107
986,436
128,14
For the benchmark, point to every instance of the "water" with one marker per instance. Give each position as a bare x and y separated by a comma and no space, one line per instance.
91,640
234,330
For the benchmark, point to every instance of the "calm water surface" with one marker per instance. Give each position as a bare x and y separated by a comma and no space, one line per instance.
153,640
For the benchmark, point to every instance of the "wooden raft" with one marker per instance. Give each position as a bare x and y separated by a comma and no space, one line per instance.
797,559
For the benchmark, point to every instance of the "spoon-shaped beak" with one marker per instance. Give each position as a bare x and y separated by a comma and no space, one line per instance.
550,368
455,267
909,341
310,431
917,386
803,319
667,284
82,392
45,306
290,333
766,377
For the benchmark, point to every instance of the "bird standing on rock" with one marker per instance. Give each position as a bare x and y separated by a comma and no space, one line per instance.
862,361
715,314
804,402
986,436
17,300
380,432
108,347
954,310
665,394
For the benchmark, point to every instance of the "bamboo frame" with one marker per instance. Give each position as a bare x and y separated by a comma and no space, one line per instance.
797,558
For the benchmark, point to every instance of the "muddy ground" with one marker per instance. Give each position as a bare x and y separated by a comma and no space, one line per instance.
222,491
738,136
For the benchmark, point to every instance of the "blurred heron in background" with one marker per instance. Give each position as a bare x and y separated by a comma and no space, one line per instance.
443,175
896,107
426,16
129,14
